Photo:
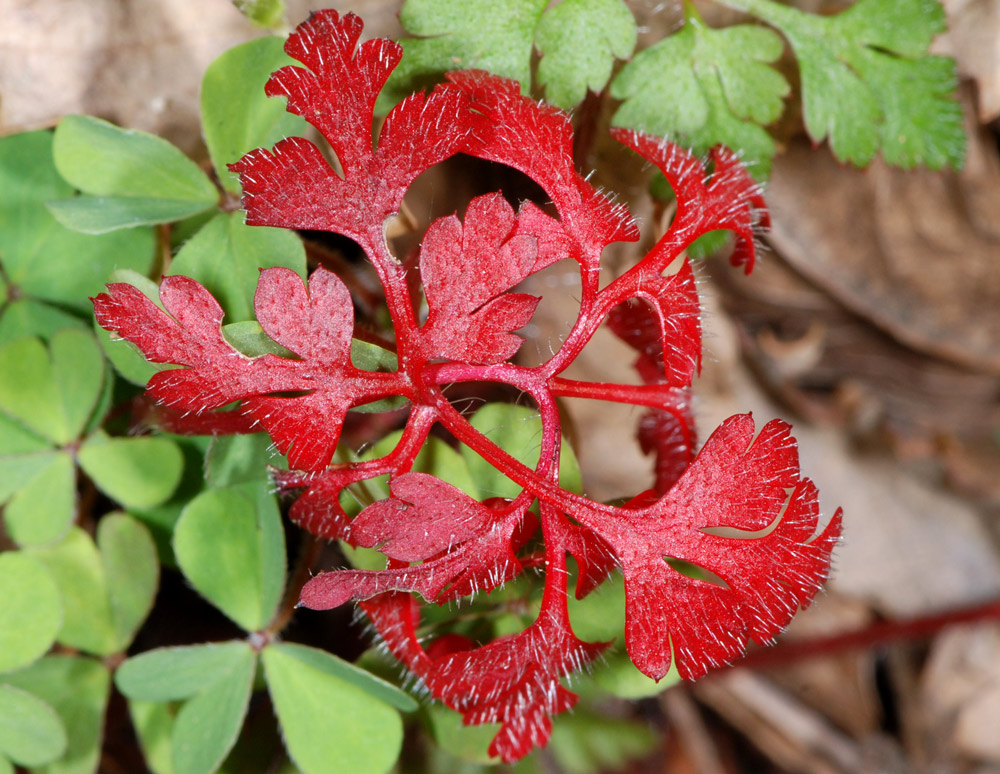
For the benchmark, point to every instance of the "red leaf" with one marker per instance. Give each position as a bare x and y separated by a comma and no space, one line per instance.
771,570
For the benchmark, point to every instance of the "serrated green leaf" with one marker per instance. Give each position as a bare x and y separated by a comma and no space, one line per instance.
518,431
268,14
701,87
236,116
31,732
42,509
154,723
176,673
31,613
104,214
136,472
329,724
349,673
132,570
226,256
77,689
228,542
208,725
75,565
491,35
40,258
27,317
868,82
579,41
102,159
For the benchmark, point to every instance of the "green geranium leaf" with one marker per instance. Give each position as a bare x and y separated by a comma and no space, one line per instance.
518,431
329,724
226,256
31,732
76,567
131,569
868,82
53,391
702,87
102,159
492,35
43,505
136,472
208,724
77,689
173,674
236,116
579,41
104,214
40,258
230,545
31,613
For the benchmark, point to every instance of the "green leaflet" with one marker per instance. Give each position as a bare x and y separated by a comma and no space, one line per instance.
137,472
42,499
868,83
176,673
578,40
329,723
226,256
107,588
231,547
702,87
236,116
263,13
44,261
77,689
31,732
31,614
138,178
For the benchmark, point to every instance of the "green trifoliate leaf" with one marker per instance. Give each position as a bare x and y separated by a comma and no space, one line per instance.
31,613
41,259
868,83
702,87
329,724
174,674
77,689
139,178
31,732
208,724
75,564
579,41
226,256
136,472
236,116
43,502
230,545
492,35
27,317
52,390
518,431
